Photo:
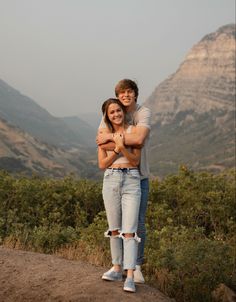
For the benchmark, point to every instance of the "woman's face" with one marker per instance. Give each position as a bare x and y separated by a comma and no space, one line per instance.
115,114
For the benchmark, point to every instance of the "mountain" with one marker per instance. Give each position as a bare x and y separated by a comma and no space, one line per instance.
193,110
86,131
34,141
23,112
21,152
92,118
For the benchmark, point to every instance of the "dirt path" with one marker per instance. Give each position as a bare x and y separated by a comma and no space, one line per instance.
27,276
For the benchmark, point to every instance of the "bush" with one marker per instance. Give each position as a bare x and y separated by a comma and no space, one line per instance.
191,242
191,234
30,204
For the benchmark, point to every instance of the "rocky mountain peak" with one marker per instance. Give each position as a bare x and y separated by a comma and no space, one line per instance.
204,81
193,109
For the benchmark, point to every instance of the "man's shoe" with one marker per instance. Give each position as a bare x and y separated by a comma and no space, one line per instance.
111,275
138,276
129,285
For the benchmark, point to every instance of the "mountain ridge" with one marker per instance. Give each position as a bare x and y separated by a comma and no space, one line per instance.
196,103
193,120
25,113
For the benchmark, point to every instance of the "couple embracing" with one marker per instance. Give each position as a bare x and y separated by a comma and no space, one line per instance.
122,151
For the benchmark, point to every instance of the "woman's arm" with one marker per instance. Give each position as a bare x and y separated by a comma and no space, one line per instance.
104,160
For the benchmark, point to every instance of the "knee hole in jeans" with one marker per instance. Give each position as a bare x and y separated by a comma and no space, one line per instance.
115,233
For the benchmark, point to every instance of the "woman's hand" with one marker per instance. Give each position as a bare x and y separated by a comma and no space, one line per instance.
119,140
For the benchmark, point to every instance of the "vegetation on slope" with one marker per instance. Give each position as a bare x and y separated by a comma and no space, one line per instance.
191,226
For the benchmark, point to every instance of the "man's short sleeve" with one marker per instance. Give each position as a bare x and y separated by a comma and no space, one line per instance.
143,117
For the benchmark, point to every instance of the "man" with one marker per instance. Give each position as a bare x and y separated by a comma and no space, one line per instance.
127,92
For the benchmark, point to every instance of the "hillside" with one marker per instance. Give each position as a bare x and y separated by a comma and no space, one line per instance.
193,119
193,110
21,152
86,131
26,114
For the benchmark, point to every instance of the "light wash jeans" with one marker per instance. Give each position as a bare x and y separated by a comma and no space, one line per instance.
121,195
141,219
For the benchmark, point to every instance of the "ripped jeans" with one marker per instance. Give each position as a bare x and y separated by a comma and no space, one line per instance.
121,195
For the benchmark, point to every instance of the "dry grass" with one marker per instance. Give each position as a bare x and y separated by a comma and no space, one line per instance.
81,251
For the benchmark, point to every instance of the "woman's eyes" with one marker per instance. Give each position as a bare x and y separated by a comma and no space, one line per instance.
113,111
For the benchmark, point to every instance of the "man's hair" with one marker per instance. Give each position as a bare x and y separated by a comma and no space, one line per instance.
105,107
126,84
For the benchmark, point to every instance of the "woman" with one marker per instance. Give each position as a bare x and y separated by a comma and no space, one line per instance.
121,194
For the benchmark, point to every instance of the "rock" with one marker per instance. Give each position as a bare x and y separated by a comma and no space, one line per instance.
27,276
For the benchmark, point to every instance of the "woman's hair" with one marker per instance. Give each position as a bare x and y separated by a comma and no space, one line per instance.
126,84
105,107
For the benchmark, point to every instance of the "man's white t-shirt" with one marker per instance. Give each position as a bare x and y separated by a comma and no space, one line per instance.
140,117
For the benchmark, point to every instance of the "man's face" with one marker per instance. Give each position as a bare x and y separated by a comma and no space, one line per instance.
127,97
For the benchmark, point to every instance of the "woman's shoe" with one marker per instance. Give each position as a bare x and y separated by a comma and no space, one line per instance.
129,285
112,275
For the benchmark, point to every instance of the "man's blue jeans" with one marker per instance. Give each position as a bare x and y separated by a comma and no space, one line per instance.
141,220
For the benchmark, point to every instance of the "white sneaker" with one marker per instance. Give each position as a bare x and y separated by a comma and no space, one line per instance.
138,276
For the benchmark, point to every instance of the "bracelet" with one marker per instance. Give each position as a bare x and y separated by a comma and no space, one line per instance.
116,152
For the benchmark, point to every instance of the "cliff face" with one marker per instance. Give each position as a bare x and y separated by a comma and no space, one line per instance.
195,107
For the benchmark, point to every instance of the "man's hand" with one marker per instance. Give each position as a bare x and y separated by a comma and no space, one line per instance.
103,138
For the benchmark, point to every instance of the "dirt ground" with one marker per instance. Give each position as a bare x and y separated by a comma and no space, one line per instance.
27,276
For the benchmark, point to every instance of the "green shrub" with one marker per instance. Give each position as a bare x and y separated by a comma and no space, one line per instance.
193,264
191,242
28,204
48,240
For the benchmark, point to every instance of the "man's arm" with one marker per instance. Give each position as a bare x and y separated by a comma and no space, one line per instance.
142,128
103,136
110,146
137,138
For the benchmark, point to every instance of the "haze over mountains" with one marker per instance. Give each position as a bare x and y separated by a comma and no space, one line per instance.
193,115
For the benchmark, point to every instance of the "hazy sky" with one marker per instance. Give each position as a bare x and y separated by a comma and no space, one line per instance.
67,55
